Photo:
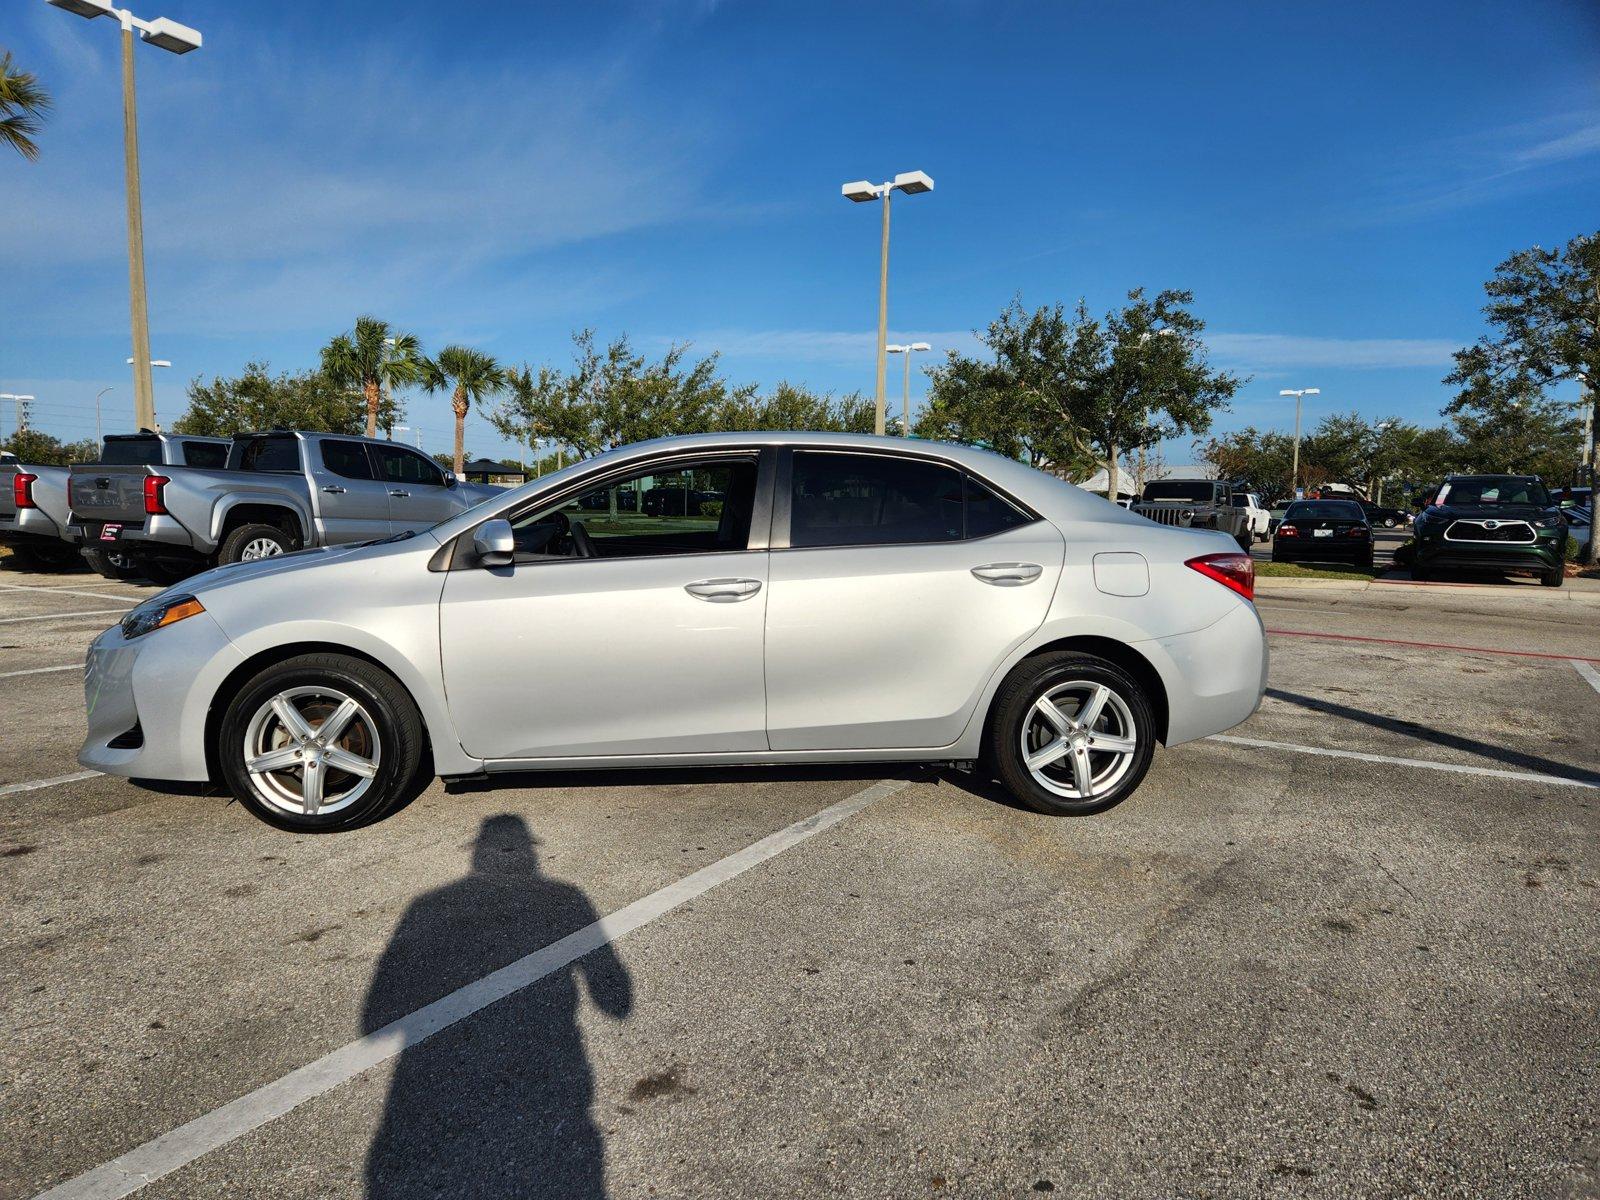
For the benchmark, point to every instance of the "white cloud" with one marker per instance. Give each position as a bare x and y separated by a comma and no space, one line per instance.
831,346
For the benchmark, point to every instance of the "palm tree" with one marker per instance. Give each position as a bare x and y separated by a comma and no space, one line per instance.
23,104
468,375
371,358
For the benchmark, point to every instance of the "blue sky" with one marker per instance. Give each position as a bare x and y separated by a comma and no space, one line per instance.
1334,181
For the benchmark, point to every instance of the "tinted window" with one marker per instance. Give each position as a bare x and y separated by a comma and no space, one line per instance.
862,499
987,513
406,466
1324,510
212,456
1193,491
1496,491
270,454
131,451
348,459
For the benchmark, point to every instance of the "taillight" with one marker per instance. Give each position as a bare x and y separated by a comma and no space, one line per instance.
155,500
22,489
1235,571
1288,531
1359,531
69,491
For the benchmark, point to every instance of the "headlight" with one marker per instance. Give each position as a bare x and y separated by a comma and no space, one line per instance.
169,611
1549,520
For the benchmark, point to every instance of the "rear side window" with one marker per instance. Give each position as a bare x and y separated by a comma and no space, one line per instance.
270,454
407,466
346,459
988,513
210,455
869,499
131,452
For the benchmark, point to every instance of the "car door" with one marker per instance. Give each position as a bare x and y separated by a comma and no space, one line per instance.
651,646
352,503
898,584
420,494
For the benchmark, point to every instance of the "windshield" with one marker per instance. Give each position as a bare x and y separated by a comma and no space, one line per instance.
1324,510
131,452
1494,491
1196,491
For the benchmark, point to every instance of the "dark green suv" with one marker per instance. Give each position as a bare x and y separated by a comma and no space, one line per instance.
1502,523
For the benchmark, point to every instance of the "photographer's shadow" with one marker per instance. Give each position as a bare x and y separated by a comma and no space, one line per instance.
498,1104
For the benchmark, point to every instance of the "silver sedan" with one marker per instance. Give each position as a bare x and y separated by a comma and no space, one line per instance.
720,599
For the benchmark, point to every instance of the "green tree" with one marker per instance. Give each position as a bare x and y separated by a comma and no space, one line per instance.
1067,391
470,376
23,104
258,399
365,361
38,449
1262,460
1514,427
793,406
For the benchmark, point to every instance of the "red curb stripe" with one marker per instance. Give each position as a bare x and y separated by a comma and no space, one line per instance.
1350,637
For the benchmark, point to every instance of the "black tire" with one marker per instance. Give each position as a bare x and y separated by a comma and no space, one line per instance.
109,565
44,557
233,545
1013,719
1420,573
395,724
1553,578
166,572
1366,564
1245,540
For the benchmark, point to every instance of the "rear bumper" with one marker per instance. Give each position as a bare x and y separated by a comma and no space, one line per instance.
153,535
28,525
1322,552
1214,677
160,685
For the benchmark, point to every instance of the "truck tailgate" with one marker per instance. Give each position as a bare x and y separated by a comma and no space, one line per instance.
103,493
8,504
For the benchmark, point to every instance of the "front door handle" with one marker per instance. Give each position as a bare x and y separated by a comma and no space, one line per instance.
723,591
399,495
333,489
1008,574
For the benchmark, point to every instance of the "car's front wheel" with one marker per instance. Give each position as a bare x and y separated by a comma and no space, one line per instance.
320,742
1072,734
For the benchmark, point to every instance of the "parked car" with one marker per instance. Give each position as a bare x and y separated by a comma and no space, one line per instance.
1389,518
1324,531
1257,515
34,508
627,501
279,491
513,638
1505,523
676,501
1577,506
1197,504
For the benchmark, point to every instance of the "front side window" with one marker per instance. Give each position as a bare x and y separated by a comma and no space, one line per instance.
684,508
346,459
407,466
872,499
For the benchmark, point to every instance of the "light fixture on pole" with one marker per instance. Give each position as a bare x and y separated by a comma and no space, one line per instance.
1299,394
908,350
912,183
154,362
178,39
24,408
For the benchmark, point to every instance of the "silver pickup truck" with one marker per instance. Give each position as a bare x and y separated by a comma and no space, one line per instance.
33,499
279,491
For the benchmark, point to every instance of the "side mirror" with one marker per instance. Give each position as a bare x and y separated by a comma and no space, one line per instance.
493,543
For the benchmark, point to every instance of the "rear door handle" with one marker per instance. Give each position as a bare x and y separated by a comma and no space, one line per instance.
723,591
399,494
333,489
1008,574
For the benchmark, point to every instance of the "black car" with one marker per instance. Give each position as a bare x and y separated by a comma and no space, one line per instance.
1329,531
1377,515
1505,523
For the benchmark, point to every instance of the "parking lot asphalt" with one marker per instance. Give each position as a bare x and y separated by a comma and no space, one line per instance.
1270,972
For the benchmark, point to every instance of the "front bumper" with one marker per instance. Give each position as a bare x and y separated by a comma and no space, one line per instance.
1543,555
151,695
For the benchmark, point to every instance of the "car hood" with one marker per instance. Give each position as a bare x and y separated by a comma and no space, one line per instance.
235,574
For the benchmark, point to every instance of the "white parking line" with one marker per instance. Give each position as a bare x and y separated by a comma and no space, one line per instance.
41,670
1455,768
17,587
1590,675
131,1171
91,612
34,785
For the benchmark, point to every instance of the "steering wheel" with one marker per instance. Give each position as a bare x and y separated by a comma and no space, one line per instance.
582,543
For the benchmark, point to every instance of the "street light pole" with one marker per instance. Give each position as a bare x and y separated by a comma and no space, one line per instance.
912,183
23,403
179,39
1299,394
98,436
149,362
907,350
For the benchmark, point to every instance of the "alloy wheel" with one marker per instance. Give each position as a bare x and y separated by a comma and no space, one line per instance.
311,751
261,547
1079,739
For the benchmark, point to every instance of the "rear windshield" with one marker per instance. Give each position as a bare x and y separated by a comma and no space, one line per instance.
135,451
1324,510
1494,491
1192,490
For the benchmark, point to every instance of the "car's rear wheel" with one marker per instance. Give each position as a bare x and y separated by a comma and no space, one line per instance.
109,564
250,542
1072,733
44,557
320,742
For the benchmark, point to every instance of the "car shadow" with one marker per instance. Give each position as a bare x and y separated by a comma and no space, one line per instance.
1438,737
666,776
498,1105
